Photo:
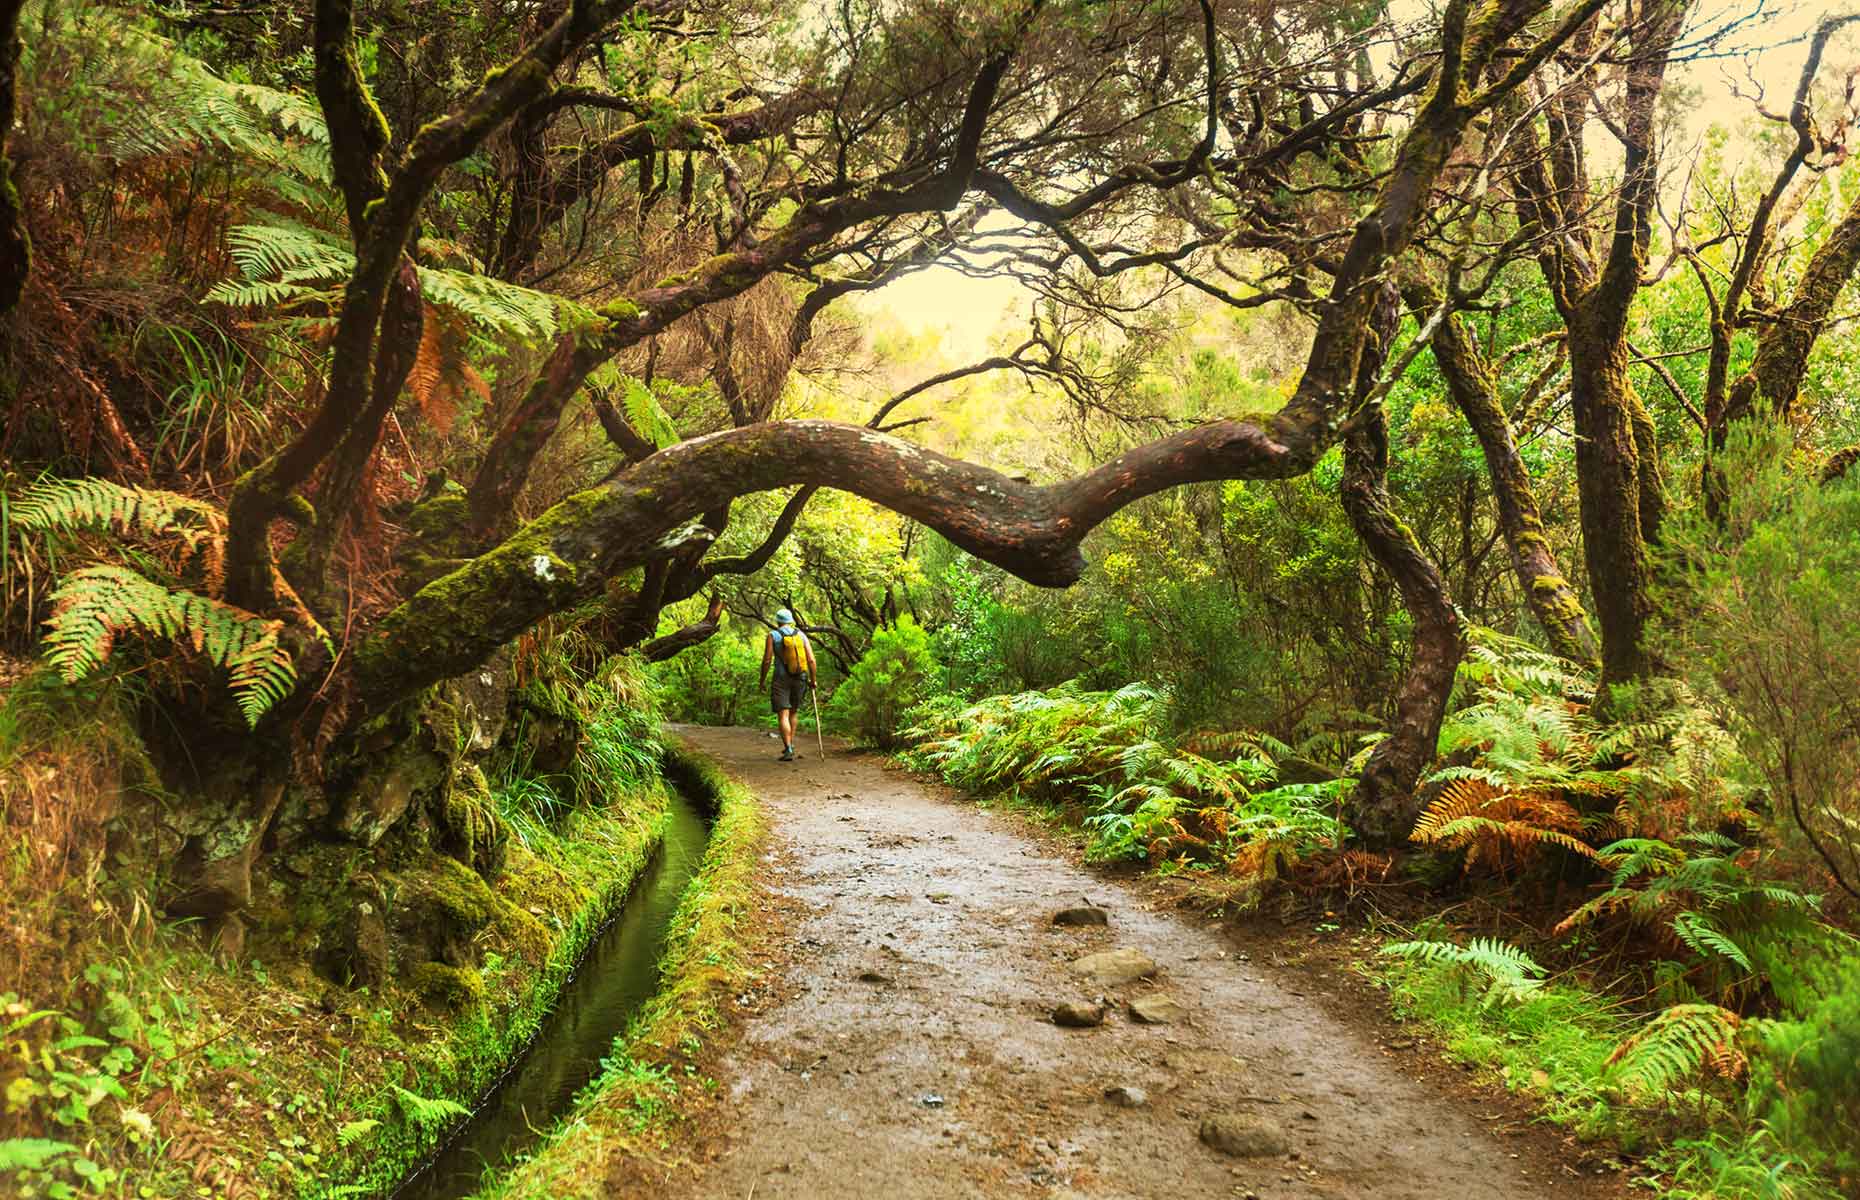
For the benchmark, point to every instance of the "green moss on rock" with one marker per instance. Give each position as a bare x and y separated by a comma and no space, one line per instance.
456,989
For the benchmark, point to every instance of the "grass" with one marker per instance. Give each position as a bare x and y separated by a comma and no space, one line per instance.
654,1076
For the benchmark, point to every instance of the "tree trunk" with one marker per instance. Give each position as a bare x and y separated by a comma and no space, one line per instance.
698,632
1610,482
1383,807
15,246
1474,389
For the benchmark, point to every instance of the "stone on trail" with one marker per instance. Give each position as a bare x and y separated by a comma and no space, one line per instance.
1127,1097
1243,1136
1074,1015
1109,968
1159,1009
1081,914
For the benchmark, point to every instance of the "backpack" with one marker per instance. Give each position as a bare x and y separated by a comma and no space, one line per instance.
792,647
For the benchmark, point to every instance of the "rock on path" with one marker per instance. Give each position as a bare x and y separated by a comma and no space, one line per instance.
825,1094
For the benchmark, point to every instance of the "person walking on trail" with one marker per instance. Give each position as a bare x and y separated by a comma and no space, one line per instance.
793,656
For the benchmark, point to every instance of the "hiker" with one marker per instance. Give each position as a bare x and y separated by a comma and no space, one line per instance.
793,655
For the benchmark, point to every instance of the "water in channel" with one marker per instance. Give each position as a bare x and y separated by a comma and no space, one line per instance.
616,975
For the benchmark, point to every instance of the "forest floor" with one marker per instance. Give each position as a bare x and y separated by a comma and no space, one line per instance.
904,1044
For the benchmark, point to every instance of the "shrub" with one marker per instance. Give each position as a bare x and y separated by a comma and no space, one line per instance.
1150,795
1765,615
895,675
713,683
1806,1072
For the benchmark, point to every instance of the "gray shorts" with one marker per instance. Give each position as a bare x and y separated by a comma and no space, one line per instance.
787,691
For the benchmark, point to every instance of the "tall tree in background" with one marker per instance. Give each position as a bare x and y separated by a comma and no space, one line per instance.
1593,269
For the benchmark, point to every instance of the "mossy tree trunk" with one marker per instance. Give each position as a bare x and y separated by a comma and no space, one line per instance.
1473,385
15,245
1593,275
1384,805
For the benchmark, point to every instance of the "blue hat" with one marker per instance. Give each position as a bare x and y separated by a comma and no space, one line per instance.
783,617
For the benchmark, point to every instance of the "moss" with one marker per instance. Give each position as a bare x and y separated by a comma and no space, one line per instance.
523,932
439,518
473,831
456,989
454,890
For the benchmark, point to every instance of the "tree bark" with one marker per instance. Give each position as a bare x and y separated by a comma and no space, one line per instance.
1383,805
1473,386
15,244
1617,460
564,556
673,644
1609,487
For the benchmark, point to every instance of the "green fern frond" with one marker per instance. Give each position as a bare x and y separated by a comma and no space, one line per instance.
428,1114
352,1132
1706,939
1510,972
98,504
1676,1045
93,606
645,414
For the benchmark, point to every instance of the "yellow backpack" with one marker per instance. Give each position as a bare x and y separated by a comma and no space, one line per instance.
793,650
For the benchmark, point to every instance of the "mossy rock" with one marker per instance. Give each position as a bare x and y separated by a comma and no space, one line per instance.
550,741
523,933
470,828
358,952
467,715
438,910
455,989
407,775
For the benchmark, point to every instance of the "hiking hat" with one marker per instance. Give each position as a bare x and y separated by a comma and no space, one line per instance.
783,617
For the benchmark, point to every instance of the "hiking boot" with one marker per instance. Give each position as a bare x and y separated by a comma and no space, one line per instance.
787,754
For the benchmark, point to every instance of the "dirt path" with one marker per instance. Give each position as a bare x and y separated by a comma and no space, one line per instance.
913,1053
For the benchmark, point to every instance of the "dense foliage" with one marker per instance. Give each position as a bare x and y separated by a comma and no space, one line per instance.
1415,451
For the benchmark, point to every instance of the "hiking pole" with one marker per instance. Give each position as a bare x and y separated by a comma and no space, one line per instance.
818,736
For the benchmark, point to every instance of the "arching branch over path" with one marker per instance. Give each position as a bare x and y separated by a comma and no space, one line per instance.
566,555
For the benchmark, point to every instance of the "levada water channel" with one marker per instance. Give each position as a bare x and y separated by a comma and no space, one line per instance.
616,975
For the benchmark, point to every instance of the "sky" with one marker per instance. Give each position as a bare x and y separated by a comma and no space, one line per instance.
968,314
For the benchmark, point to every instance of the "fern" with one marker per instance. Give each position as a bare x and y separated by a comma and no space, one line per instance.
425,1113
1679,1043
1475,814
1707,940
352,1132
645,414
31,1154
94,605
1510,974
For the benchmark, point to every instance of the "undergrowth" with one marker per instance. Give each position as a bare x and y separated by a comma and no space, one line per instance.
133,1061
1210,804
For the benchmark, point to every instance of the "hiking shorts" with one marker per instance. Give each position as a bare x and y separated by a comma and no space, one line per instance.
787,691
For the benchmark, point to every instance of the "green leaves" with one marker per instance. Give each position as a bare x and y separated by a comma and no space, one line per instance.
93,606
32,1154
285,264
426,1113
1510,974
